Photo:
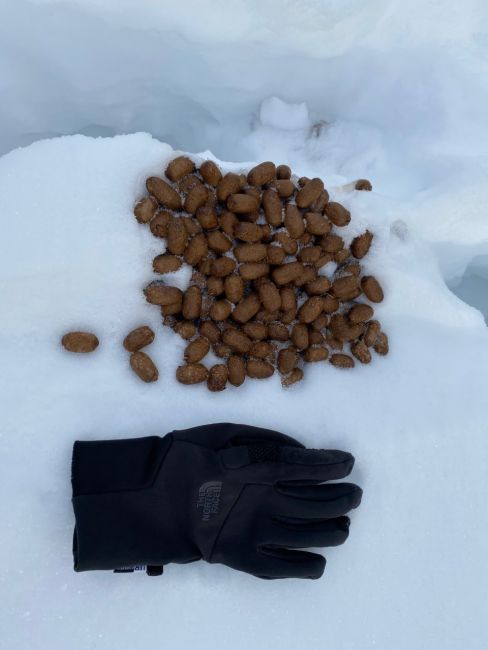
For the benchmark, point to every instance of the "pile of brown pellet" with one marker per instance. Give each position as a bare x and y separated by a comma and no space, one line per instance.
256,244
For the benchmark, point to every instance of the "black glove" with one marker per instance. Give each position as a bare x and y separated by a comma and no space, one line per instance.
227,493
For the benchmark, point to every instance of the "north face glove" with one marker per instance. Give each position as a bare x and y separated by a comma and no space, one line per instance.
227,493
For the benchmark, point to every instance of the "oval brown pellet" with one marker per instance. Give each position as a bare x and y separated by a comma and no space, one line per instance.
278,332
220,310
159,225
309,254
316,224
144,367
287,359
315,338
342,361
196,249
138,338
381,345
259,369
371,332
248,232
310,309
215,286
372,288
172,309
81,342
223,266
250,252
319,353
234,288
237,340
309,193
228,185
283,172
360,350
196,198
270,296
319,204
210,173
145,209
294,221
275,255
360,313
166,263
337,213
210,330
255,330
285,188
287,272
318,286
242,203
197,350
193,373
217,378
164,193
263,173
161,294
295,376
186,329
253,270
218,242
272,208
187,183
228,221
236,368
288,299
179,167
332,243
361,244
299,336
207,217
363,184
192,226
246,308
320,322
346,288
177,237
262,350
192,303
330,304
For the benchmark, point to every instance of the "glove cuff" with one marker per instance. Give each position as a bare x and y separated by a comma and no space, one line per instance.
113,502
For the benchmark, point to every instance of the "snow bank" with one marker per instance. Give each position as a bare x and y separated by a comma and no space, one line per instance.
413,571
194,75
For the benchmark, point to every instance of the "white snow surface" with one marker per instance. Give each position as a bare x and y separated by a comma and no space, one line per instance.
394,92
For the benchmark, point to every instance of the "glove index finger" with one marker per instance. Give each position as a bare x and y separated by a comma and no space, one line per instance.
317,464
289,463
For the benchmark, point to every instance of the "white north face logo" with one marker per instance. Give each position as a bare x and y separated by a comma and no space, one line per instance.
209,499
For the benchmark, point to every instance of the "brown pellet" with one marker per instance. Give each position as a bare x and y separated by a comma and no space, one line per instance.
138,338
145,209
81,342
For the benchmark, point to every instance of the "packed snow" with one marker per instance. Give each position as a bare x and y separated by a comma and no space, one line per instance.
394,92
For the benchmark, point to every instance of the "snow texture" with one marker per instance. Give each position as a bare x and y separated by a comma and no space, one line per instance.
394,92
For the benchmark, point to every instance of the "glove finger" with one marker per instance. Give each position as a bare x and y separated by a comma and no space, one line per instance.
304,533
315,501
317,464
272,463
284,563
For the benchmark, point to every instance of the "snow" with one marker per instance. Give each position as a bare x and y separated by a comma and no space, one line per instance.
274,112
390,91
